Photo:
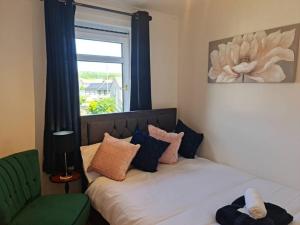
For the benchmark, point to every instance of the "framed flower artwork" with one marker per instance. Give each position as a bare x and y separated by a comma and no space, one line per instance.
268,56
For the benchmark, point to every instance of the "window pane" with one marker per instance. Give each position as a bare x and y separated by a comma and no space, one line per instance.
100,87
87,47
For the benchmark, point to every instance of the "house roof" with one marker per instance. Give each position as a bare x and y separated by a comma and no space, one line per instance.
99,86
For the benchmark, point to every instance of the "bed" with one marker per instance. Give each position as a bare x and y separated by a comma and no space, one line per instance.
188,192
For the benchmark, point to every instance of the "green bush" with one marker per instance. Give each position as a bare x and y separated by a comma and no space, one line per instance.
82,100
106,105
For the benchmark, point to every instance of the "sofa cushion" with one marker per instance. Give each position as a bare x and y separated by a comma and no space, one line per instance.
190,141
170,156
70,209
151,150
113,158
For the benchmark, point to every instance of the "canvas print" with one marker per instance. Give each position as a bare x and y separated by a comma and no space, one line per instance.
268,56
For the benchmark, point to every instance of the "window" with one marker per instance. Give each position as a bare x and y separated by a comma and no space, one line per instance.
103,70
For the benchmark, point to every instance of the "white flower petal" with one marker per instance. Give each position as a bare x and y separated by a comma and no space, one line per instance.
224,78
227,69
229,60
274,74
257,79
248,37
213,74
220,78
235,54
287,38
245,47
244,68
272,40
214,58
237,40
229,79
274,56
253,50
284,54
222,54
260,35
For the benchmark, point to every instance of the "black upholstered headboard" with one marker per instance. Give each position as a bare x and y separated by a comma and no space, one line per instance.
123,125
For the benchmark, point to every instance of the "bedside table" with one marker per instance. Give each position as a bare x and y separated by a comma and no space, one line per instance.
56,179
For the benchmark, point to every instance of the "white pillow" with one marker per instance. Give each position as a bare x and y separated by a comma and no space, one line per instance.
87,153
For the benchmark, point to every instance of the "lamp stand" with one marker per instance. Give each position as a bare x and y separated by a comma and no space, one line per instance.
66,176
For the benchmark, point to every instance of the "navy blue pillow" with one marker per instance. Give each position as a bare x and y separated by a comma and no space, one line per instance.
190,141
149,153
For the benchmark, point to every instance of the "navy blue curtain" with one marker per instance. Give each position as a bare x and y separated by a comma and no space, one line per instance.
140,63
62,95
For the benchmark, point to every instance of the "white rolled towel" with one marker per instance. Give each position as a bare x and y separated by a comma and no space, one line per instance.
255,204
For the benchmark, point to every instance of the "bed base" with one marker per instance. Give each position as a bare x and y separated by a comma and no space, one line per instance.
96,218
121,125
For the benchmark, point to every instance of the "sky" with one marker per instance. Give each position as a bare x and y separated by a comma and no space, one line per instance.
88,47
100,48
99,67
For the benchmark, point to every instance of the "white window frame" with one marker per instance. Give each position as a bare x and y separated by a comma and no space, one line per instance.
112,37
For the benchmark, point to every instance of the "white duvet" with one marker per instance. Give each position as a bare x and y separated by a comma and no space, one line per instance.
187,193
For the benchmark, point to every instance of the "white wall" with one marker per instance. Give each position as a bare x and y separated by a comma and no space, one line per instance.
23,74
22,80
17,119
164,59
255,127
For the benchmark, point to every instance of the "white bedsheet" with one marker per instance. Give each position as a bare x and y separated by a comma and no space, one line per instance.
187,193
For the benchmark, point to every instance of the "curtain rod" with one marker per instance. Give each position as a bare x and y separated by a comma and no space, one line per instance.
97,8
103,9
104,30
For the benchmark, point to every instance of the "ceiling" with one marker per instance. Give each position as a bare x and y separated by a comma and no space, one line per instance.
174,7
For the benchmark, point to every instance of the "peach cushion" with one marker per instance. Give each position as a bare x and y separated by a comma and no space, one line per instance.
113,158
170,156
87,153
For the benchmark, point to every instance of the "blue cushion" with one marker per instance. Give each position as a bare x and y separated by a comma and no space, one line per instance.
148,155
190,141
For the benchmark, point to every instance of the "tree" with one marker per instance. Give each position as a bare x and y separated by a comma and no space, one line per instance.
105,105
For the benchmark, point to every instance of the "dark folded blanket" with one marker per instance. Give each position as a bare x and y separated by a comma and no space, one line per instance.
279,215
229,215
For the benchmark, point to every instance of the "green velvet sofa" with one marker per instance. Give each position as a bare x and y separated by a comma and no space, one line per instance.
21,202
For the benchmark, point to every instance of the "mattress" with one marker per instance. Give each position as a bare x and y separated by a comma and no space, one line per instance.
189,192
